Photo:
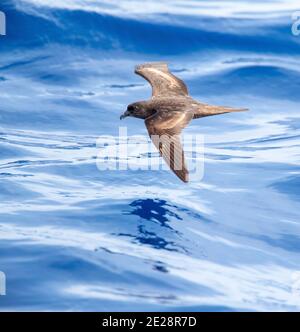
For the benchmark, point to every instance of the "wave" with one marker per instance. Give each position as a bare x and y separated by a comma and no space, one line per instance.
66,74
242,9
97,29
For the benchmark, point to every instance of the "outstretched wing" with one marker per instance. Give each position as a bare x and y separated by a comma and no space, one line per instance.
164,129
164,83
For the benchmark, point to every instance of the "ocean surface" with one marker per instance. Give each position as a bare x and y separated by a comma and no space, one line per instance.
73,237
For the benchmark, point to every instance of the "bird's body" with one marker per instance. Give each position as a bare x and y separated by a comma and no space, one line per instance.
169,111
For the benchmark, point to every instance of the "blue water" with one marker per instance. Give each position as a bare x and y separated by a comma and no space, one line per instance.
75,238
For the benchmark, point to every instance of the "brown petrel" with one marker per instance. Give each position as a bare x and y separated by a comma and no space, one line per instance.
169,110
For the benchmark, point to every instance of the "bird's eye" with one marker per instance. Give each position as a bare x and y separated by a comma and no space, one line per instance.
130,108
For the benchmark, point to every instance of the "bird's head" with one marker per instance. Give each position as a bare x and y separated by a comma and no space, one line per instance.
136,110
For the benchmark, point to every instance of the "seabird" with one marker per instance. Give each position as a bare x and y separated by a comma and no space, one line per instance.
169,110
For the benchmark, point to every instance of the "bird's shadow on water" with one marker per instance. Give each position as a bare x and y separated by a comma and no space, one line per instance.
153,227
154,210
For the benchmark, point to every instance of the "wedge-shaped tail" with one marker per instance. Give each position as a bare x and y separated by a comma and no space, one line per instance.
208,110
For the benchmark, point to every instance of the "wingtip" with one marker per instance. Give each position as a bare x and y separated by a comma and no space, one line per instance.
160,65
183,177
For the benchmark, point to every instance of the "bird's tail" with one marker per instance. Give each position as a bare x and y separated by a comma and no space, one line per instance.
208,110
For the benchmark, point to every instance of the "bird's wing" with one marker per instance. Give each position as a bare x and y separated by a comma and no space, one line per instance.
164,129
164,83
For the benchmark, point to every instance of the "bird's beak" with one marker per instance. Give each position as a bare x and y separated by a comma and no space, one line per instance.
124,115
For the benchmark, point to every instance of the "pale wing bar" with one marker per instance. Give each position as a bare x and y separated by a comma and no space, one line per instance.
162,81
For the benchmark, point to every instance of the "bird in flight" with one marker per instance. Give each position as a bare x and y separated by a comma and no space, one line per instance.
168,112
